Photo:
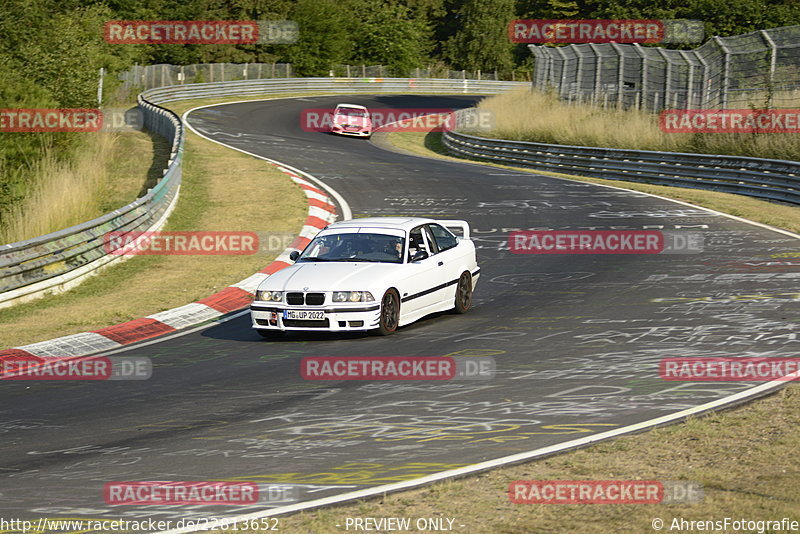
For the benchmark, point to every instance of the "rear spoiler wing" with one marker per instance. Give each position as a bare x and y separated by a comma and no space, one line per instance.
463,226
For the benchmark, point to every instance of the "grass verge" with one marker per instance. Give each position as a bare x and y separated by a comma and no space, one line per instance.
100,178
525,115
222,189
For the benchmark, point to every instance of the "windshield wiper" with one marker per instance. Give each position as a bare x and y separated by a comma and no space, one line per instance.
313,258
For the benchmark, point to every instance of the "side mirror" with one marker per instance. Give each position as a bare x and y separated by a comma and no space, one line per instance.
419,255
293,255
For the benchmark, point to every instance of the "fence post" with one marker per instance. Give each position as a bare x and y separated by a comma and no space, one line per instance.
667,77
773,59
704,81
598,68
689,81
562,84
726,72
620,73
548,77
643,59
579,75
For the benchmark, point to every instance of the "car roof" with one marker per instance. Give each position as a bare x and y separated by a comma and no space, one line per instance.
351,106
397,223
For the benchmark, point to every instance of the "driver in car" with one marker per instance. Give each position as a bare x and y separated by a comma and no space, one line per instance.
394,248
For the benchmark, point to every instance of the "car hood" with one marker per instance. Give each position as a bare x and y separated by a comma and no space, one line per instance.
329,276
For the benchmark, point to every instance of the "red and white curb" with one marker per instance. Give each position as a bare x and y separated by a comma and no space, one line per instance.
321,212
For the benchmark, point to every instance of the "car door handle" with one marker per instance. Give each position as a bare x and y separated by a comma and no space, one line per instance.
441,263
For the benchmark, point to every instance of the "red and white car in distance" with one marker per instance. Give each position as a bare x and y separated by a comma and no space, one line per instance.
351,119
376,274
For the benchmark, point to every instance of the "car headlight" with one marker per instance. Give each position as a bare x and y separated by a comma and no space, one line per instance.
352,296
269,296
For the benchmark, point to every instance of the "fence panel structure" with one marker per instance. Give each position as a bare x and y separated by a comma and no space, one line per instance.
758,68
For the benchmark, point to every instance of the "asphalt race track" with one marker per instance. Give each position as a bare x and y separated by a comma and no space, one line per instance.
576,340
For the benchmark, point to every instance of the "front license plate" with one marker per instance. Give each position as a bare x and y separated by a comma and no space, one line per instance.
304,315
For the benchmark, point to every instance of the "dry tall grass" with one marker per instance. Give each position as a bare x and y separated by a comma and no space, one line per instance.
64,193
525,115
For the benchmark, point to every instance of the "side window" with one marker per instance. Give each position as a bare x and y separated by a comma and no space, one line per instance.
444,239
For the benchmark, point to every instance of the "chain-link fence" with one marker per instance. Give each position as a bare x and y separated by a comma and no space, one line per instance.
144,77
441,72
761,68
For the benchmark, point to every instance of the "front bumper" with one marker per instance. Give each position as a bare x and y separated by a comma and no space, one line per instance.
339,317
356,133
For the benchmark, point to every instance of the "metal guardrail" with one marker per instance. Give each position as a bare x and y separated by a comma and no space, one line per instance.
330,85
61,259
762,178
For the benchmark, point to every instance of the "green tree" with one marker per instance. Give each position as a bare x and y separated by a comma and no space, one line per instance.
389,35
481,41
325,37
551,9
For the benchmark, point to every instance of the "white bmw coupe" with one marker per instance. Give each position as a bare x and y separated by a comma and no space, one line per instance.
370,274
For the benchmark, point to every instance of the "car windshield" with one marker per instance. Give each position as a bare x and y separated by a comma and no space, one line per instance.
351,112
378,248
